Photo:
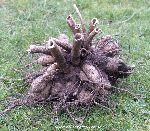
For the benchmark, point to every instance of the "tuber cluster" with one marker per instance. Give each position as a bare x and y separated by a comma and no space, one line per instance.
77,73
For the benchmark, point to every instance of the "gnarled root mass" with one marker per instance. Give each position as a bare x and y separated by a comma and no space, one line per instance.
80,73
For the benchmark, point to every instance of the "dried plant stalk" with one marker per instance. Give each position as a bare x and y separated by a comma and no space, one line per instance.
75,52
81,19
90,37
84,52
71,22
77,29
93,23
66,46
57,54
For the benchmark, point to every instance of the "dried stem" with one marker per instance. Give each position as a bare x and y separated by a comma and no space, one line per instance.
71,22
90,37
75,52
63,44
84,52
77,28
57,54
93,23
81,19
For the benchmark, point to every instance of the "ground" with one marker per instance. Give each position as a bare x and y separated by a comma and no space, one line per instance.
26,21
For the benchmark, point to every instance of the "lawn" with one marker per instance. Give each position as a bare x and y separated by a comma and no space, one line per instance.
26,21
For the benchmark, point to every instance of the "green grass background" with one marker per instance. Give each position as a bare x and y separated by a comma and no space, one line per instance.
26,21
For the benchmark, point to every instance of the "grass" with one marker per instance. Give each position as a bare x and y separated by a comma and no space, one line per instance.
26,21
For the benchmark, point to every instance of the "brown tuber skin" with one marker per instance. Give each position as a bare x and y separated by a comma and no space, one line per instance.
38,49
95,76
45,60
75,74
39,84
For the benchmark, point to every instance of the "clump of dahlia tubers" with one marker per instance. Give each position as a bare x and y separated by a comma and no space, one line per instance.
78,73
